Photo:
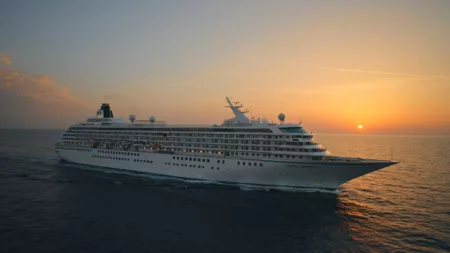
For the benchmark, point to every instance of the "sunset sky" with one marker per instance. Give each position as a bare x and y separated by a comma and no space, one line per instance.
334,65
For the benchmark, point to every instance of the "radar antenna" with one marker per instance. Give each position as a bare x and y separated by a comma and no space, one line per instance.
235,107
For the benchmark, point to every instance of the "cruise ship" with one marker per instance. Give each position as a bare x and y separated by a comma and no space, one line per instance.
241,150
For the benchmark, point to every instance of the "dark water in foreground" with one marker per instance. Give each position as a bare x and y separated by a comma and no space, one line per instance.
51,206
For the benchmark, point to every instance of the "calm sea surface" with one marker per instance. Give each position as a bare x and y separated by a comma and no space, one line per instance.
51,206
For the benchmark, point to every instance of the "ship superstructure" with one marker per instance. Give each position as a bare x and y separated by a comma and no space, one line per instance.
241,150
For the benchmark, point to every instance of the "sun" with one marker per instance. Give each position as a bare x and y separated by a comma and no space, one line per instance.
360,126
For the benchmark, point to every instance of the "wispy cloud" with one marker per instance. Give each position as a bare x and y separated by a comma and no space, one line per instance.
392,73
40,88
373,72
5,59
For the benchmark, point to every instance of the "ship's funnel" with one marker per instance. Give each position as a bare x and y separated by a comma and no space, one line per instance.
107,113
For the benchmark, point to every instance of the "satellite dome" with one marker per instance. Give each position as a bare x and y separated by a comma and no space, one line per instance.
281,117
132,118
152,119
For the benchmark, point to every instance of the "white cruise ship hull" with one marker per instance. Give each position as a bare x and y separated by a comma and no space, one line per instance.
265,173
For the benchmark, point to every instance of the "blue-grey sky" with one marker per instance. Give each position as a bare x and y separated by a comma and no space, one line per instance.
178,59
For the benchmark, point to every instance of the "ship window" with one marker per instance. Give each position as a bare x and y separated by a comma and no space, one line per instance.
254,164
243,163
218,161
203,160
239,163
190,158
293,130
223,161
207,160
260,165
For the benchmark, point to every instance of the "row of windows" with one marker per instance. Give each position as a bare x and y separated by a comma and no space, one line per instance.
190,165
187,135
225,144
216,146
182,135
117,152
111,157
186,165
154,129
249,164
253,154
84,149
194,159
121,158
189,139
232,153
142,161
207,160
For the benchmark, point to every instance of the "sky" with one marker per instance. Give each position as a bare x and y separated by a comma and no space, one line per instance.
333,65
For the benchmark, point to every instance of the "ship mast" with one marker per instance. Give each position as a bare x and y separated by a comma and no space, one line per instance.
239,116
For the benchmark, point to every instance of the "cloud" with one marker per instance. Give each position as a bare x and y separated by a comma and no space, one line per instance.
5,59
40,88
392,73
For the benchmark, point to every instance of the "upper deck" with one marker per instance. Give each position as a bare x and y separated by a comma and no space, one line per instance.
239,123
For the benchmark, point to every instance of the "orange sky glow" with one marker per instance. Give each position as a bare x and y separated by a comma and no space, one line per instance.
385,66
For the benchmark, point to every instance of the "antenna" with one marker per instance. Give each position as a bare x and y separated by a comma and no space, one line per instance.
392,154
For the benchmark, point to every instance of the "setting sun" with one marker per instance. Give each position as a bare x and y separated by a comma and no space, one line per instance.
360,126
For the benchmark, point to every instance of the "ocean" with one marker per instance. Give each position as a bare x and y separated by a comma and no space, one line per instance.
47,205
